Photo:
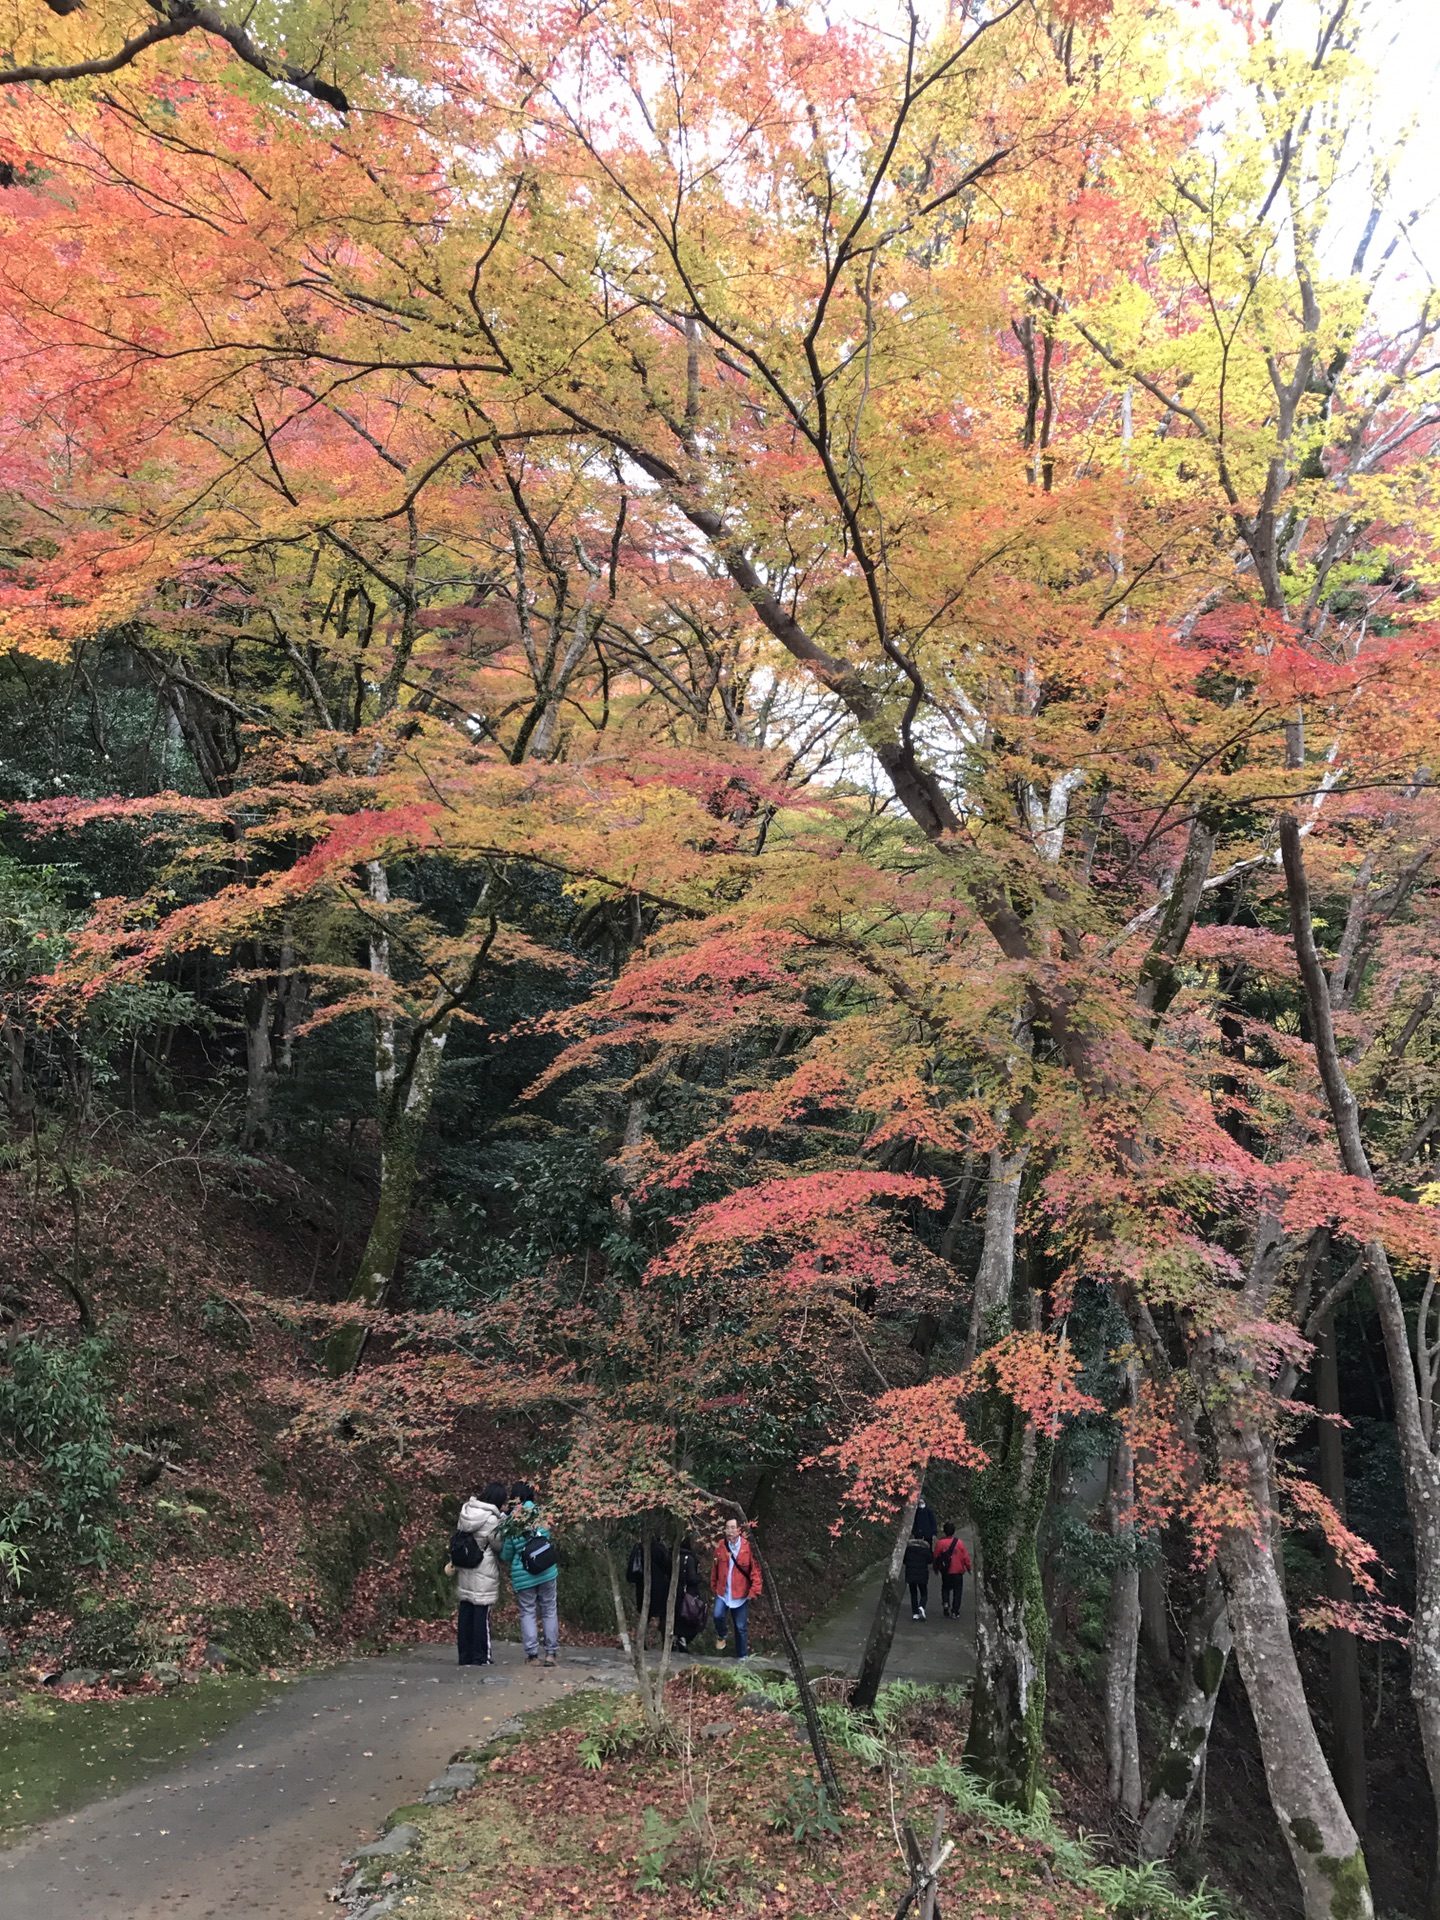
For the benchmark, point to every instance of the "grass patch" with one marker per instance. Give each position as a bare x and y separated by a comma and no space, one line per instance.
56,1755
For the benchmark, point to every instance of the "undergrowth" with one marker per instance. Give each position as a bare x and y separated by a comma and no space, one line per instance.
1142,1892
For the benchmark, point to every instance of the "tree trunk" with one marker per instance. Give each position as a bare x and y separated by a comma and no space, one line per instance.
19,1096
1347,1708
1207,1648
1122,1639
622,1624
1323,1843
819,1745
1007,1499
996,1271
1422,1497
653,1713
887,1611
1155,1613
259,1066
1414,1419
400,1141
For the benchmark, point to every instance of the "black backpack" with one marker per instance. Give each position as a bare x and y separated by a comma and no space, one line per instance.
465,1550
537,1553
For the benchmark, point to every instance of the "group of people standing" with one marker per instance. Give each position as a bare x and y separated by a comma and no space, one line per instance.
940,1550
735,1580
504,1529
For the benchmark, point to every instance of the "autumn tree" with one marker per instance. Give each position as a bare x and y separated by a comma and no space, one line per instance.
974,408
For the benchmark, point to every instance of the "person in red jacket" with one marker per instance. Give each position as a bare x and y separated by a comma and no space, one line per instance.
735,1581
952,1563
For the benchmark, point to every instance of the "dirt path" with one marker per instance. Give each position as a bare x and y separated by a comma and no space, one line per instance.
254,1825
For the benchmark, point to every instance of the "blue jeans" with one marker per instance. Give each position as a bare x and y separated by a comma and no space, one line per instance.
739,1615
538,1600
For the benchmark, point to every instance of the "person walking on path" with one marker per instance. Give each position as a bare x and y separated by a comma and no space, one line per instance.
476,1568
735,1581
529,1552
690,1601
659,1580
924,1526
917,1574
952,1563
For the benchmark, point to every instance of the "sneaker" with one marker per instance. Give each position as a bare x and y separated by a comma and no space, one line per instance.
531,1658
922,1613
719,1646
551,1660
915,1616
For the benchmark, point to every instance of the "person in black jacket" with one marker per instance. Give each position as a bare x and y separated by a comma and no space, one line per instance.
690,1608
917,1574
659,1580
925,1526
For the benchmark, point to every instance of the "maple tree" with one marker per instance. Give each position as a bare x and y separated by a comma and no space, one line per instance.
684,402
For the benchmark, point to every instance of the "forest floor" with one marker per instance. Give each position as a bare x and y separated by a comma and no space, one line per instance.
578,1814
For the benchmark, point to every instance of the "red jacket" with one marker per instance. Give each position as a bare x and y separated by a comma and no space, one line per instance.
952,1556
747,1571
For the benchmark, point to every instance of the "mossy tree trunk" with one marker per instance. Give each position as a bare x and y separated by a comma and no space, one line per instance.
402,1130
1172,1783
1324,1846
1007,1500
404,1093
1347,1708
1122,1636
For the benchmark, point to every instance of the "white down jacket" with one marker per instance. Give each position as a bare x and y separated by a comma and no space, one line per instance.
480,1584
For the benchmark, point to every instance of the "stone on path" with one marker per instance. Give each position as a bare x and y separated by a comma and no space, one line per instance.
399,1840
458,1777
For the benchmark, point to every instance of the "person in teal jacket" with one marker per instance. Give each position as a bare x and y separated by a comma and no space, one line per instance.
535,1593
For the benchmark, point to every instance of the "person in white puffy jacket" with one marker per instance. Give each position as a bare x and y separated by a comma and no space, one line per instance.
477,1588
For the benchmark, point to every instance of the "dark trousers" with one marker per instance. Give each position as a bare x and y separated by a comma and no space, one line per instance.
738,1616
952,1586
472,1634
919,1594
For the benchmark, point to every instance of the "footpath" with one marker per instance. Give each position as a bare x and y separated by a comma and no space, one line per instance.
937,1651
253,1825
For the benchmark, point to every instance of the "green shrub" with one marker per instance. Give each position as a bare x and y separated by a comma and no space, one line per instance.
64,1471
584,1598
255,1637
109,1636
341,1553
806,1812
431,1593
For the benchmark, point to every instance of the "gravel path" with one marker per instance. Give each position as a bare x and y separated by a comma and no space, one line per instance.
253,1826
